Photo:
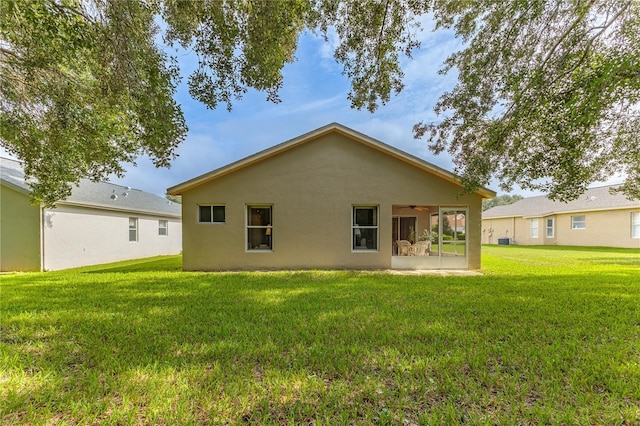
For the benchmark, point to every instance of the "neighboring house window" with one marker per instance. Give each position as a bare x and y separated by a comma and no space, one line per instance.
364,229
533,228
163,227
133,229
550,227
578,222
211,214
635,225
259,228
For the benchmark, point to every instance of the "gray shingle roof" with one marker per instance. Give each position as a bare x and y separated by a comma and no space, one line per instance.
593,199
11,172
99,194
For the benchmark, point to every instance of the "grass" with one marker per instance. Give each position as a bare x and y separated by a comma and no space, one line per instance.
546,336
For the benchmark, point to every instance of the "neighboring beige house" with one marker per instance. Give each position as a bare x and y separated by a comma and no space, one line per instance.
331,198
597,218
99,223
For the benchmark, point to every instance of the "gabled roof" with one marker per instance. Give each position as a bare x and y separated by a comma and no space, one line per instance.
315,134
102,195
593,199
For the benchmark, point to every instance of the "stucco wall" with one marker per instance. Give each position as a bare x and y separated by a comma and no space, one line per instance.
492,229
312,189
19,232
78,236
611,228
603,228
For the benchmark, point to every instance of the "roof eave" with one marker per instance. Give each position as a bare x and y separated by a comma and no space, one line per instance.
314,134
15,187
410,159
552,213
501,217
247,161
118,209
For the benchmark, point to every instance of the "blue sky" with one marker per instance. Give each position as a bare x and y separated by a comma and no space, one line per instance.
314,94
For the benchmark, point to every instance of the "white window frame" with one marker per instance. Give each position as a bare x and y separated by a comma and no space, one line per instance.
534,228
163,225
133,226
211,207
268,229
550,230
355,226
445,212
635,224
579,224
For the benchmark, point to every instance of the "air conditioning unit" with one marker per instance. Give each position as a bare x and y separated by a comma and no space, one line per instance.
504,241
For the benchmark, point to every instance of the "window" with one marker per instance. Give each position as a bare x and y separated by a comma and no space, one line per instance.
550,227
533,228
578,222
364,228
133,229
454,232
635,225
163,226
211,214
259,228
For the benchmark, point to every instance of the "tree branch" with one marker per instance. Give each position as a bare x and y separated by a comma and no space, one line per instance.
562,38
384,19
587,48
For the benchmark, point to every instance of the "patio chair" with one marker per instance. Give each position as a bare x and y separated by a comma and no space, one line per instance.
404,247
421,248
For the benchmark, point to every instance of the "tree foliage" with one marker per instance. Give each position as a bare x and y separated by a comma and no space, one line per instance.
547,96
240,44
501,200
84,88
174,198
373,36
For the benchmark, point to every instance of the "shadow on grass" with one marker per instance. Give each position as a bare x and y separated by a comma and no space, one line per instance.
304,346
154,264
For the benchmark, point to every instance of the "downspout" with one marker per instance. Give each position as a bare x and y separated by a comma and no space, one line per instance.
42,263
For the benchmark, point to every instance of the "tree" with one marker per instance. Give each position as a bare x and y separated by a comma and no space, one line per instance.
174,198
83,88
547,97
501,200
239,44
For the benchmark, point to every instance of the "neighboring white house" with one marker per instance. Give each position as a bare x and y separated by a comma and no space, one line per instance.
100,222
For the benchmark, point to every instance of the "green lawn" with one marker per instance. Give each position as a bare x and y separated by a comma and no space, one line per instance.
546,336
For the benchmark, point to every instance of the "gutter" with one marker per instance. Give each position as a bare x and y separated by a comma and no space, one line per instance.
558,212
119,209
42,250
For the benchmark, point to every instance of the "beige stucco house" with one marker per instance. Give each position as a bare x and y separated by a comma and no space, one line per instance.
597,218
100,222
331,198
